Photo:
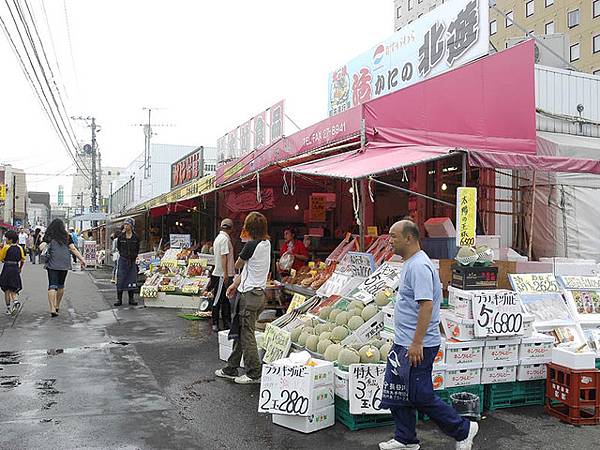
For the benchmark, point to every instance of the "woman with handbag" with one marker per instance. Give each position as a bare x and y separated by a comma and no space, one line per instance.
57,248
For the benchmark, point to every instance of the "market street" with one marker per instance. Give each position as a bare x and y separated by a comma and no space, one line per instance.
142,378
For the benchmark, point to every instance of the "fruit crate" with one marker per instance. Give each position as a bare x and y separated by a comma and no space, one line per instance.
512,395
356,422
444,395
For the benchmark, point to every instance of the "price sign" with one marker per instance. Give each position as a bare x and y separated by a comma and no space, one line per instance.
149,291
497,313
534,283
297,300
365,386
361,264
285,390
190,289
167,288
169,263
201,262
180,240
466,211
277,343
387,276
90,249
317,208
584,283
338,284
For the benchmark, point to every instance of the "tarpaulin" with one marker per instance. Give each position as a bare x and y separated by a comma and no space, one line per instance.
501,160
375,159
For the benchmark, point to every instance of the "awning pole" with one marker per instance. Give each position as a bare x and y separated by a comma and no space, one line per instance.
364,194
464,169
530,251
408,191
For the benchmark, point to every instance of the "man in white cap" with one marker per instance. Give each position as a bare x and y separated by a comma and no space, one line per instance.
222,275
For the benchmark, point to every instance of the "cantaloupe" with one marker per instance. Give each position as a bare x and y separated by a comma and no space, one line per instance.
465,252
320,328
324,313
376,342
323,345
383,297
357,346
342,318
302,339
339,333
348,356
296,334
356,304
308,329
311,342
325,335
332,352
369,354
355,312
355,322
333,314
369,312
385,351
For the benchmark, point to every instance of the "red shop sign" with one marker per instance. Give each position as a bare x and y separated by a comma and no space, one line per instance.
187,168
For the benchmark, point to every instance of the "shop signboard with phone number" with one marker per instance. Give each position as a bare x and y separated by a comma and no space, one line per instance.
497,313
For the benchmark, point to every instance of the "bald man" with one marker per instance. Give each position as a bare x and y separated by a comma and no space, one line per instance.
408,386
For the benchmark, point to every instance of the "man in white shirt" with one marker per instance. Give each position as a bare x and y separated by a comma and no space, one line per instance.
23,235
222,274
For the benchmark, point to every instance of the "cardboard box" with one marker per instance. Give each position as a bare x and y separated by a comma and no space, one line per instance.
445,272
498,352
440,358
464,353
388,317
499,374
536,348
321,419
572,360
531,370
460,302
463,376
225,353
504,269
438,227
491,240
341,383
323,397
533,267
457,328
438,377
474,277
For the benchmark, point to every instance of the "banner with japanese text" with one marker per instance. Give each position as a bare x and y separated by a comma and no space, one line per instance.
451,35
466,215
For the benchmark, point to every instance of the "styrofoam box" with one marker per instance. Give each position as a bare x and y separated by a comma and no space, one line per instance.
458,328
528,330
225,353
341,383
491,240
460,302
463,376
531,370
387,335
322,373
388,317
501,351
323,397
224,338
438,377
499,374
572,360
461,353
440,358
536,348
321,419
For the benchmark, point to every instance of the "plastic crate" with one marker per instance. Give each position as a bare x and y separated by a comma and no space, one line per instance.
512,395
573,415
356,422
444,395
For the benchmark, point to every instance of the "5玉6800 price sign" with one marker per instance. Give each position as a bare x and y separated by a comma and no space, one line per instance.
497,313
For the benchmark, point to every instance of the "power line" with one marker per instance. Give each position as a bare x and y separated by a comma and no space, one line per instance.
69,38
54,48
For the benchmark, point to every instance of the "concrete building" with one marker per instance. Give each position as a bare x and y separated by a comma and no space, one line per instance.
9,177
407,11
39,209
133,187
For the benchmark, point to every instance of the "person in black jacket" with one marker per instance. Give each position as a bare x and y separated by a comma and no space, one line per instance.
128,246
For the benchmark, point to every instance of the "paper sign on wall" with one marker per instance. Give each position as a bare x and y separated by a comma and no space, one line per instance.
497,313
317,208
466,213
277,343
365,384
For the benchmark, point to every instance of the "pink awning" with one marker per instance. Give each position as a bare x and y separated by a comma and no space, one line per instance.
502,160
376,159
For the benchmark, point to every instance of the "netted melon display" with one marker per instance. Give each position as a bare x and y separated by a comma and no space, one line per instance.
355,312
383,297
302,339
356,304
355,322
320,328
333,314
332,352
369,354
342,318
325,335
385,351
376,342
369,312
296,334
311,342
339,333
324,313
348,356
323,345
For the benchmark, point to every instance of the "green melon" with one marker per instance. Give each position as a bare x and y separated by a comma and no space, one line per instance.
383,297
323,345
369,312
325,335
324,313
296,334
302,339
369,354
355,323
385,350
357,346
330,326
355,312
376,342
465,252
348,356
356,304
309,329
332,352
320,328
311,342
339,333
333,314
342,318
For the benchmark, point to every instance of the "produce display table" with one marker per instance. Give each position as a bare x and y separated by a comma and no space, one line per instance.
164,300
296,289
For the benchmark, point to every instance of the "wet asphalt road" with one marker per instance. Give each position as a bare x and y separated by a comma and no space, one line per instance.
99,377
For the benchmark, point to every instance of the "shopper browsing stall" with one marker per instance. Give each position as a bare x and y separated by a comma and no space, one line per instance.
222,274
408,386
293,253
254,262
128,246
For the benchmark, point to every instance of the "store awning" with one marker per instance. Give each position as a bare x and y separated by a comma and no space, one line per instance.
519,161
375,159
7,226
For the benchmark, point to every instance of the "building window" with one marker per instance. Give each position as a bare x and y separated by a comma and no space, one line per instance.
549,28
509,19
549,3
493,27
596,43
109,173
573,18
398,12
574,52
529,8
410,5
596,8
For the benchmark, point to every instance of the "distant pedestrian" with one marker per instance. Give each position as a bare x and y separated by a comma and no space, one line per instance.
13,257
128,246
222,274
30,248
23,235
59,247
37,241
75,240
249,290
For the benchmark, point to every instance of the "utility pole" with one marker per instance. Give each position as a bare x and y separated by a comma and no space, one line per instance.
94,179
148,133
100,178
14,201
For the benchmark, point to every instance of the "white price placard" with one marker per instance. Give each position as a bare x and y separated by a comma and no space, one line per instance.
276,342
338,284
180,240
361,264
497,313
285,390
581,283
534,283
387,276
365,387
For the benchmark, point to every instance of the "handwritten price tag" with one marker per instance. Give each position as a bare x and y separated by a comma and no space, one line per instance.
387,276
497,313
190,289
534,283
584,283
277,343
365,384
198,262
285,390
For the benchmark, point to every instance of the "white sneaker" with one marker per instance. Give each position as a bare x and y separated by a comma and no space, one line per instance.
245,379
393,444
467,444
8,310
222,374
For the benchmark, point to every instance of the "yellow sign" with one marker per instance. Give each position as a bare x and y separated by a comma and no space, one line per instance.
2,192
191,190
466,216
297,300
372,231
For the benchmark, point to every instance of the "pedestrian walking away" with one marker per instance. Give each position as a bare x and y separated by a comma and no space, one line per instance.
221,276
23,235
128,246
407,386
249,291
13,257
37,241
58,247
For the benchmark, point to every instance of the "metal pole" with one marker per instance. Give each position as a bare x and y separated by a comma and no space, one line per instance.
464,170
94,179
14,201
362,212
530,251
408,191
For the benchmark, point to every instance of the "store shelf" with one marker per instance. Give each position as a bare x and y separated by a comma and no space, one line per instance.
295,289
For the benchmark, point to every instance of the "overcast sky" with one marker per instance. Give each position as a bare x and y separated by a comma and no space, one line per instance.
210,65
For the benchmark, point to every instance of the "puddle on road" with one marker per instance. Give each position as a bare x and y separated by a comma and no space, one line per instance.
7,358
